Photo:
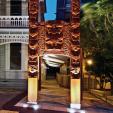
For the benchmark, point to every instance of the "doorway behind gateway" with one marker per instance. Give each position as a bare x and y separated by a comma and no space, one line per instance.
55,81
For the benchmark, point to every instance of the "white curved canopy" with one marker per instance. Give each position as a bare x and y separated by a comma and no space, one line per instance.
55,60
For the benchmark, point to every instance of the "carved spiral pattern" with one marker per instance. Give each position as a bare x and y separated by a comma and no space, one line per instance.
66,34
75,40
33,38
42,35
54,36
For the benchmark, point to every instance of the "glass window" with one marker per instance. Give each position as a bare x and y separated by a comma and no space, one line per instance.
15,56
15,7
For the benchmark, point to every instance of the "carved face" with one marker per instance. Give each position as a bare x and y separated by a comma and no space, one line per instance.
54,35
33,8
54,29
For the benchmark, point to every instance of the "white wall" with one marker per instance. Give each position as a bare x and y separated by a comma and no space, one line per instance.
2,7
8,7
2,61
5,63
24,57
7,57
24,7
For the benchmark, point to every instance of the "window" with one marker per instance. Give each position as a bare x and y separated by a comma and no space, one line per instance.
15,7
15,56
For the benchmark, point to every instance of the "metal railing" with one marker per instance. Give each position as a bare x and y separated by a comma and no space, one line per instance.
14,21
14,36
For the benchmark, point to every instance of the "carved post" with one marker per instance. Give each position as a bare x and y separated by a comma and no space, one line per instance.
75,55
33,52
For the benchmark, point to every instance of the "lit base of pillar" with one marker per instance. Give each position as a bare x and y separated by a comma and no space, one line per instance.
32,103
32,90
75,94
75,106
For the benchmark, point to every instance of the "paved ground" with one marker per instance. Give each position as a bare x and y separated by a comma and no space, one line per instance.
91,104
7,95
51,97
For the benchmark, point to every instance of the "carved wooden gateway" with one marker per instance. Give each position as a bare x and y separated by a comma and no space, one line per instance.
57,37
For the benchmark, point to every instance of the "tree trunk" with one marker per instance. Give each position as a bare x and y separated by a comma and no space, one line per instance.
101,84
95,80
111,87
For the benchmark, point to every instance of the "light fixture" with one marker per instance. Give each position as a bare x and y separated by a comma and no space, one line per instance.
25,105
89,61
71,110
35,107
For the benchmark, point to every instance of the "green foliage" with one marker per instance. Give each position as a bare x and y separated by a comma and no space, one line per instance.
97,36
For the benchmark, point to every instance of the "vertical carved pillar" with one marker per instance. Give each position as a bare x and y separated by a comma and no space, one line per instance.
41,49
42,35
33,51
66,41
75,54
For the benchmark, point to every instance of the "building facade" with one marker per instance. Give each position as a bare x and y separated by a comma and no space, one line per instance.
13,39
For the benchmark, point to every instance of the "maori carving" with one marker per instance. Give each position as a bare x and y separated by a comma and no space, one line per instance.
76,62
54,35
75,40
75,9
42,35
75,51
33,9
33,38
66,37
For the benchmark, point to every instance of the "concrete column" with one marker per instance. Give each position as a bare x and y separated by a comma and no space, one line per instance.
7,61
7,57
2,7
2,61
8,7
24,8
24,57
